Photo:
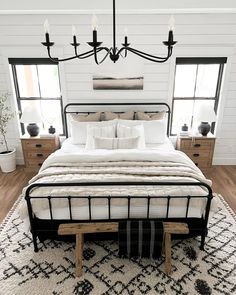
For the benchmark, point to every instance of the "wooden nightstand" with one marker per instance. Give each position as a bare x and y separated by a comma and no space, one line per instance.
199,148
37,149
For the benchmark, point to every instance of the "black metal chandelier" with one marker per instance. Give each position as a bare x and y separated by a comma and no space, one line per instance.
114,53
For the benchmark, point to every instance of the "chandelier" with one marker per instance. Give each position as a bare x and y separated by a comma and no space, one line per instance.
113,52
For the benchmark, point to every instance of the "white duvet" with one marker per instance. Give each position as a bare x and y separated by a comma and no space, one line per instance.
152,165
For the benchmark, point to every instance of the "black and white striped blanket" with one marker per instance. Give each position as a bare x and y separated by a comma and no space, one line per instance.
141,238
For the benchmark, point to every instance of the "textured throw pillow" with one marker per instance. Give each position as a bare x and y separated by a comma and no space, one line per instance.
138,130
105,131
154,130
147,117
111,116
78,130
86,118
116,143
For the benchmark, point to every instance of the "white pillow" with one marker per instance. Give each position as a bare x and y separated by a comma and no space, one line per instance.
116,143
154,130
78,130
103,131
138,130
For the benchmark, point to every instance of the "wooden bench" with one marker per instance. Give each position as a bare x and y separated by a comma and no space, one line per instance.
79,229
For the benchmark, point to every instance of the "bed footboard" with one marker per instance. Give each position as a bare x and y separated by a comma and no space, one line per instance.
198,226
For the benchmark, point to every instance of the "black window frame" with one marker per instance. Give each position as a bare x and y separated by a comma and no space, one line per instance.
199,61
33,61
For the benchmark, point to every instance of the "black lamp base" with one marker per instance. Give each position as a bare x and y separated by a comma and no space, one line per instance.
204,128
33,129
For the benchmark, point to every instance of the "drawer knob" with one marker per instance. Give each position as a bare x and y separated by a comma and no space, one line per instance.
40,164
38,145
197,145
39,155
196,155
196,164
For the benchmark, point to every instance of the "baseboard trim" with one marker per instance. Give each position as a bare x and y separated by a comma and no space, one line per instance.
224,161
20,161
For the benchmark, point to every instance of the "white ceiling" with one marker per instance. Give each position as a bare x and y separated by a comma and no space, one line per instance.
138,6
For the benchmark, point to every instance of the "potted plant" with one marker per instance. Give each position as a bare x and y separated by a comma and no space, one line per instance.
7,156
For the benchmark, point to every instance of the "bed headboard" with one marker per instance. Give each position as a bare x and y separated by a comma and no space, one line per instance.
89,108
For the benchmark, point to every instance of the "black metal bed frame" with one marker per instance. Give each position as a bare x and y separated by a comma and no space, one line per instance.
47,228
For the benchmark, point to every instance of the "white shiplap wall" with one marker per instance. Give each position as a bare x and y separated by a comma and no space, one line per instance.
197,35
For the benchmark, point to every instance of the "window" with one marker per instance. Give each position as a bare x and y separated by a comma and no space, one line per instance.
197,82
37,80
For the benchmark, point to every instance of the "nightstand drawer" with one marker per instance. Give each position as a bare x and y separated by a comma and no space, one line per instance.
202,163
36,145
198,154
197,144
37,163
37,155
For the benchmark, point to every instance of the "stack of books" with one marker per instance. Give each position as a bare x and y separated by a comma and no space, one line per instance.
184,133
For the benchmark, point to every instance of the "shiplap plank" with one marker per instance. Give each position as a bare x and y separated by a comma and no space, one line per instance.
184,19
232,86
105,29
231,103
73,96
230,111
230,119
138,40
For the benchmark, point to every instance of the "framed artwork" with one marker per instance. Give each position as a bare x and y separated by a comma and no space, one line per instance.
125,74
113,83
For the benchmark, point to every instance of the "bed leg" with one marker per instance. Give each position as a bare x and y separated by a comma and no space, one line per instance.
36,249
203,236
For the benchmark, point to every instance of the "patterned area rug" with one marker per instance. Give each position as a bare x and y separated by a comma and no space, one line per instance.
51,270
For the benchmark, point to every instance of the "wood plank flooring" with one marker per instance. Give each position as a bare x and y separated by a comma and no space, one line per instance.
224,182
11,185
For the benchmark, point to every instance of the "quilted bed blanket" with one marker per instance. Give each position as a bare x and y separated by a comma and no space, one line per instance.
98,166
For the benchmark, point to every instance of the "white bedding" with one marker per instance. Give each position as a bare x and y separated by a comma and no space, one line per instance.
69,147
158,162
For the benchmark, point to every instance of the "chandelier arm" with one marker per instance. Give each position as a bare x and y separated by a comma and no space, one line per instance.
152,59
58,59
106,55
87,54
122,49
153,56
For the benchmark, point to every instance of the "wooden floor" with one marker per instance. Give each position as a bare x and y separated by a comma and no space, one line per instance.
11,184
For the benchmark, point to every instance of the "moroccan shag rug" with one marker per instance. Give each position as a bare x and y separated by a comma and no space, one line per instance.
52,270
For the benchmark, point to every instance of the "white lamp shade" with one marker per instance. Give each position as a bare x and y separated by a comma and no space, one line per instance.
205,113
31,114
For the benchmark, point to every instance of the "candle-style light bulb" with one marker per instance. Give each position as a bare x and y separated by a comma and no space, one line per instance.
126,32
171,24
94,22
46,27
73,30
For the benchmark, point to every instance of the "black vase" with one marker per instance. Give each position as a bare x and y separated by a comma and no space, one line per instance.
33,129
185,127
51,130
204,128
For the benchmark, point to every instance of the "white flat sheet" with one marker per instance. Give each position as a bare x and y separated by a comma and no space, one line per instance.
119,212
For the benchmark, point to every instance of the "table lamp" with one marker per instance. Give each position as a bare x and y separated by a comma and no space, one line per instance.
205,114
31,115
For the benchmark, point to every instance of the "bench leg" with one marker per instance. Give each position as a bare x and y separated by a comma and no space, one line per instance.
79,254
168,253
